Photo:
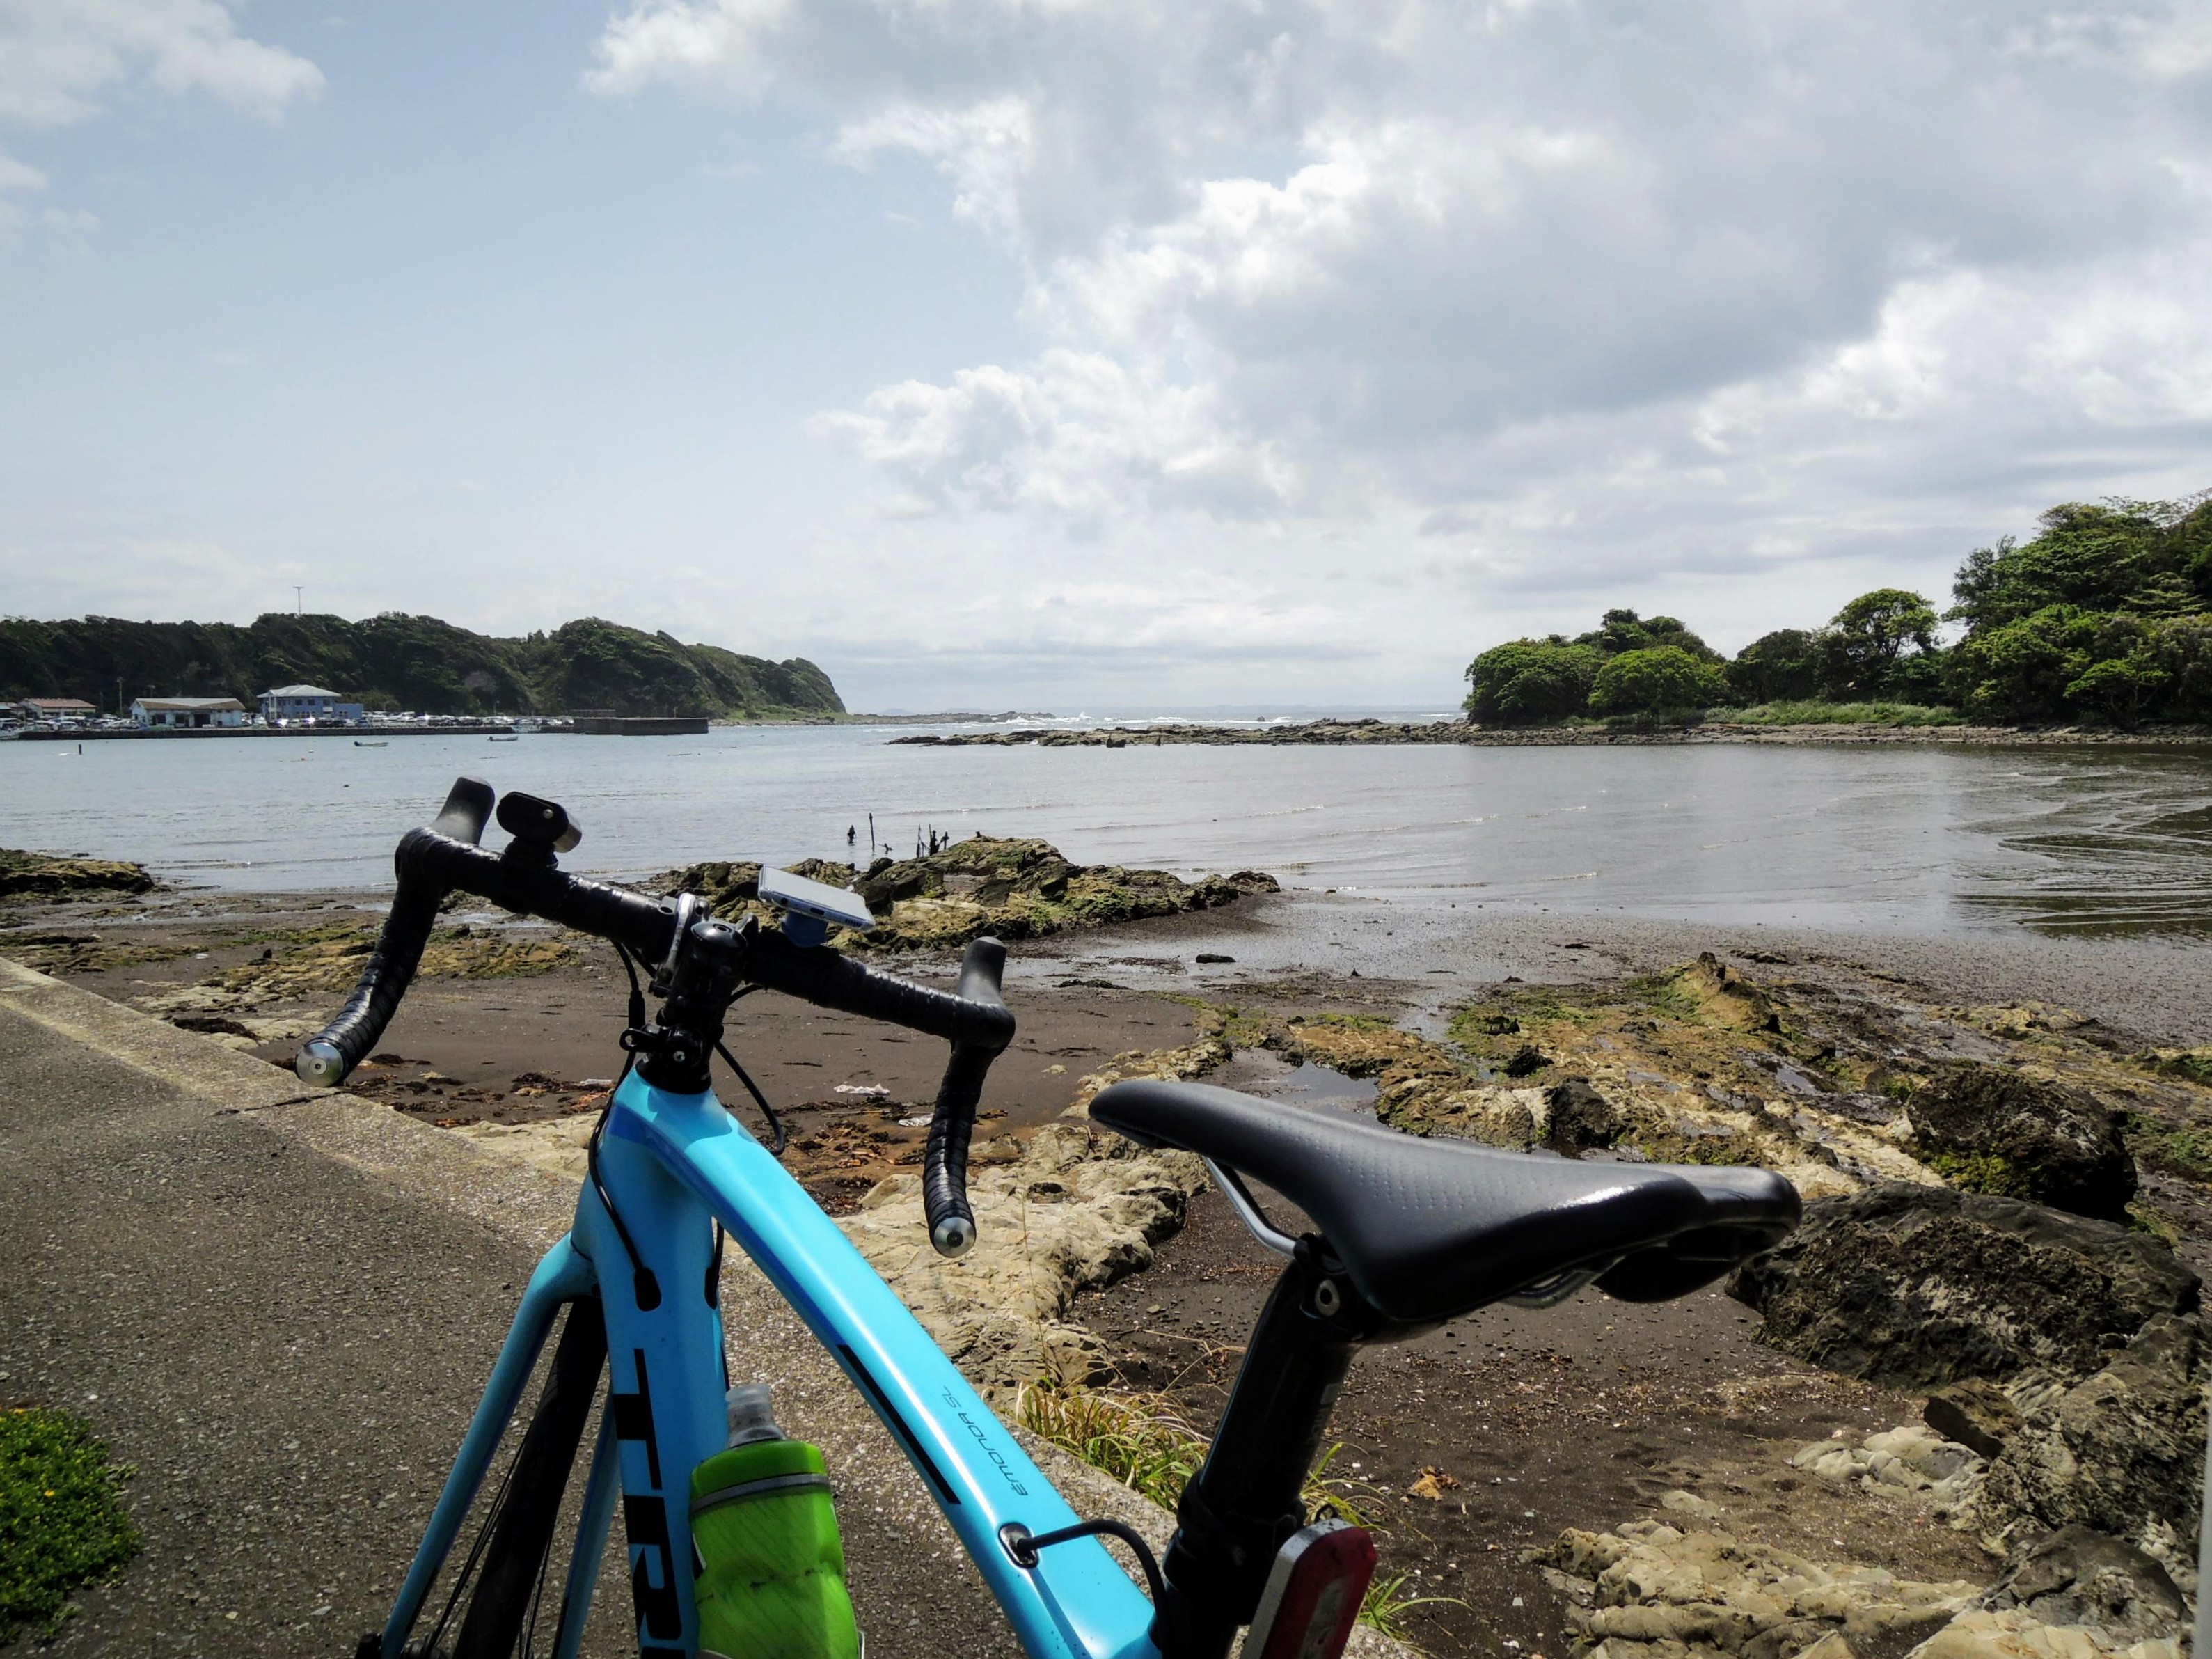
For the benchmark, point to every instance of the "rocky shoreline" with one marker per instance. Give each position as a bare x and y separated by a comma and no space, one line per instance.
2010,1205
1386,733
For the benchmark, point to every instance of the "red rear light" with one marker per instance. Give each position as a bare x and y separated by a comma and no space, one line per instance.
1313,1594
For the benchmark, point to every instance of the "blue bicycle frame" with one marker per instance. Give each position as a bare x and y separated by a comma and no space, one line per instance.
669,1163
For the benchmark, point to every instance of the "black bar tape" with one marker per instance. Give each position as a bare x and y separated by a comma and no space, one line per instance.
829,979
430,863
944,1204
328,1057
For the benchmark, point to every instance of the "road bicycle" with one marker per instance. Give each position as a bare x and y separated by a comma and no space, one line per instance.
1407,1234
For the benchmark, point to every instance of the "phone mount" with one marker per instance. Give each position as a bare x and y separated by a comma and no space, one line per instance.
810,909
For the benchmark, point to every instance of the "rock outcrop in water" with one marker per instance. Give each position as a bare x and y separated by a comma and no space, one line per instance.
1012,888
58,876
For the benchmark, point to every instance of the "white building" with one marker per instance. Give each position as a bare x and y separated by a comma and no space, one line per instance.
288,704
55,709
188,711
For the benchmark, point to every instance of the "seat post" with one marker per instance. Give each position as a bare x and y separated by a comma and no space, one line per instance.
1240,1507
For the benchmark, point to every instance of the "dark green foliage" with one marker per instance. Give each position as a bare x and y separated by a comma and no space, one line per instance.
1660,680
1532,682
2106,616
62,1520
1869,637
2147,558
397,661
2064,659
1624,631
1784,666
2102,616
1527,681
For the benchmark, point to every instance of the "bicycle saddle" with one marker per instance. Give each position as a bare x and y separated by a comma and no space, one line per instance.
1431,1229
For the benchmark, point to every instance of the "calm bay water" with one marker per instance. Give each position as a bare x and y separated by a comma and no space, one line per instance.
1921,841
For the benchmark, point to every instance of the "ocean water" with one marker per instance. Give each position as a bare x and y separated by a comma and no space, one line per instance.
1923,840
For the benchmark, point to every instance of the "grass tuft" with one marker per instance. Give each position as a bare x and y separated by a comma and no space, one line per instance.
62,1521
1145,1443
1387,1605
1138,1439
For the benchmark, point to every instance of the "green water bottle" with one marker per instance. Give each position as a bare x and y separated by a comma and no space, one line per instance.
771,1578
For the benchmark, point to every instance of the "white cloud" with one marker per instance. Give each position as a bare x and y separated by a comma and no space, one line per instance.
719,43
1548,297
60,59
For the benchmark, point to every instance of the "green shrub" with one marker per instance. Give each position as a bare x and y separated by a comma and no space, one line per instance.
1660,680
1527,681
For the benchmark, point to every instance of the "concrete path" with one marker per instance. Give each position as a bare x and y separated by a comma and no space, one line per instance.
279,1306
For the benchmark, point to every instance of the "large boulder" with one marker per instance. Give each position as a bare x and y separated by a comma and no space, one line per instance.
2121,1450
1922,1286
1992,1129
2078,1576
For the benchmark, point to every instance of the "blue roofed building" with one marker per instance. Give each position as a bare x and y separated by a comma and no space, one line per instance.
295,705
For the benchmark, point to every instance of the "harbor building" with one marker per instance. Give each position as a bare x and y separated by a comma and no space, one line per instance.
290,703
171,712
55,709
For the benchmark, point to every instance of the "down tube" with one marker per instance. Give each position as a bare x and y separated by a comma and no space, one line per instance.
1077,1603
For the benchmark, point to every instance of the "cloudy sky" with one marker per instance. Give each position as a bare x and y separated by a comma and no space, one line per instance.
1083,352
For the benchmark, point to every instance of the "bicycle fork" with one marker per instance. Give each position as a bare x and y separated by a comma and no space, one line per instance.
663,1410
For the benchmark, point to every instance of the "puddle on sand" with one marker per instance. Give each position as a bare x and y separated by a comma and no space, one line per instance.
1256,1072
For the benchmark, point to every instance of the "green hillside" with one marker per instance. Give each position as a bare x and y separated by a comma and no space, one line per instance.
398,662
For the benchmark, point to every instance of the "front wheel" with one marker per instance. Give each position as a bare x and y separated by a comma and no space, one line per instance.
497,1595
521,1524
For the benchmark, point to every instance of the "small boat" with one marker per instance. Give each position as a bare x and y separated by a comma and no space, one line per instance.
372,742
508,738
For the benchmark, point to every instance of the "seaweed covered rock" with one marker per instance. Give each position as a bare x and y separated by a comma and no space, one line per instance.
54,876
1922,1286
1012,888
1992,1129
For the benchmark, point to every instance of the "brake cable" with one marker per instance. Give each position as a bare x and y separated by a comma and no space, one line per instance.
775,1123
647,1286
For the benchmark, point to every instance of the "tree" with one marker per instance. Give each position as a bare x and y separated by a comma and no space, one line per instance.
1624,631
1523,682
2121,689
1662,680
2181,647
2109,555
1783,666
1865,639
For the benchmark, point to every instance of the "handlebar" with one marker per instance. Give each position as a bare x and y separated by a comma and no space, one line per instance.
433,861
